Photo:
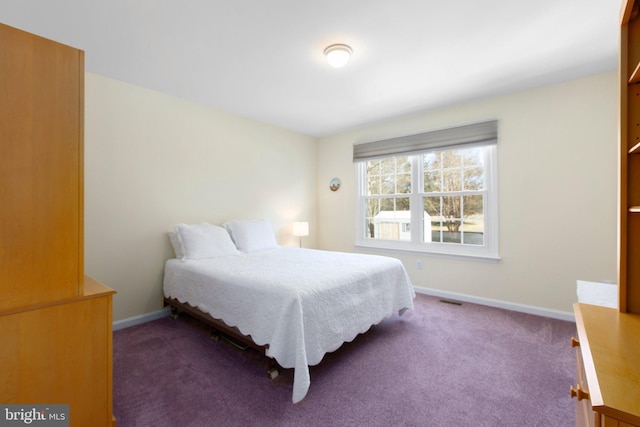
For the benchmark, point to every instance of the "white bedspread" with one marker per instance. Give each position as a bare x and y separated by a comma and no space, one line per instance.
303,303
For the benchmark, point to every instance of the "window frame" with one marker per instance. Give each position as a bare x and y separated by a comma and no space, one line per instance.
487,252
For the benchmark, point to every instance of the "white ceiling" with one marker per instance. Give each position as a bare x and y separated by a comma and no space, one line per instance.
263,58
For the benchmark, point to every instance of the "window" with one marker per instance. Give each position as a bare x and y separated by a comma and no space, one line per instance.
438,198
387,202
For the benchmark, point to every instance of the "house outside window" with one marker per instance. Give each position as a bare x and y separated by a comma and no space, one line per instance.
438,198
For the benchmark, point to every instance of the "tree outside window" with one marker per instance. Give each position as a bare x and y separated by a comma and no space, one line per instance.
453,195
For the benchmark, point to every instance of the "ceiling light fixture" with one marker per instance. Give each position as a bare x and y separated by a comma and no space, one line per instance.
338,55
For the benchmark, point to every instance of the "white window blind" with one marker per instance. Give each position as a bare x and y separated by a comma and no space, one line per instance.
484,133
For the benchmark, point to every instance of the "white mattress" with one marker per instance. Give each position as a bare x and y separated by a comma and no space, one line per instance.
303,303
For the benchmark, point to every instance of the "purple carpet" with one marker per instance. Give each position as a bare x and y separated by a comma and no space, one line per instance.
438,365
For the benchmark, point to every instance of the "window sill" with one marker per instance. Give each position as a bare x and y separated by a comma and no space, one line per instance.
464,257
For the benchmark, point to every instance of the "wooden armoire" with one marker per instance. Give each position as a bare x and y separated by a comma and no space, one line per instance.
55,322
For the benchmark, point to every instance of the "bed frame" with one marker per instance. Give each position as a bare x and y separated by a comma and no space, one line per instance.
219,329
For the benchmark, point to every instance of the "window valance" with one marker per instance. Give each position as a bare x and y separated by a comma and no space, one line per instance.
484,133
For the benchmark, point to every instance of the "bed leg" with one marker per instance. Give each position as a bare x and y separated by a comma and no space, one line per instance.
174,313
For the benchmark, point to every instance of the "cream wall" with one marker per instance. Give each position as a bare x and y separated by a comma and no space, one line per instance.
152,160
557,168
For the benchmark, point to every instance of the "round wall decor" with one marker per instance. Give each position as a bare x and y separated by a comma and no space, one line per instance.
334,184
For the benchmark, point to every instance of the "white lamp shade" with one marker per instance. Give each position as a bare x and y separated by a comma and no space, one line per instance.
300,229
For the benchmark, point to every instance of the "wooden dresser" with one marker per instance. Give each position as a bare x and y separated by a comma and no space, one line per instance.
607,390
55,322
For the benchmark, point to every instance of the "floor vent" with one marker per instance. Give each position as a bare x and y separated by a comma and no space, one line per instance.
450,302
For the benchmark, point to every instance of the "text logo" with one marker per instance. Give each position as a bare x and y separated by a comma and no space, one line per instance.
34,415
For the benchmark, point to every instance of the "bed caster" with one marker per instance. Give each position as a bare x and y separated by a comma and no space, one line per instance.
272,370
174,313
273,373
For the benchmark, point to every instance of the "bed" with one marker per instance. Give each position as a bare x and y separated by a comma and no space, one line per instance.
297,304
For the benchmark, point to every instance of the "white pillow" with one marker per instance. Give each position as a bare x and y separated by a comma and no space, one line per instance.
176,243
251,235
202,241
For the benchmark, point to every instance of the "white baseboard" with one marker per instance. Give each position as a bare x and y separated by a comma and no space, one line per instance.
555,314
143,318
529,309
